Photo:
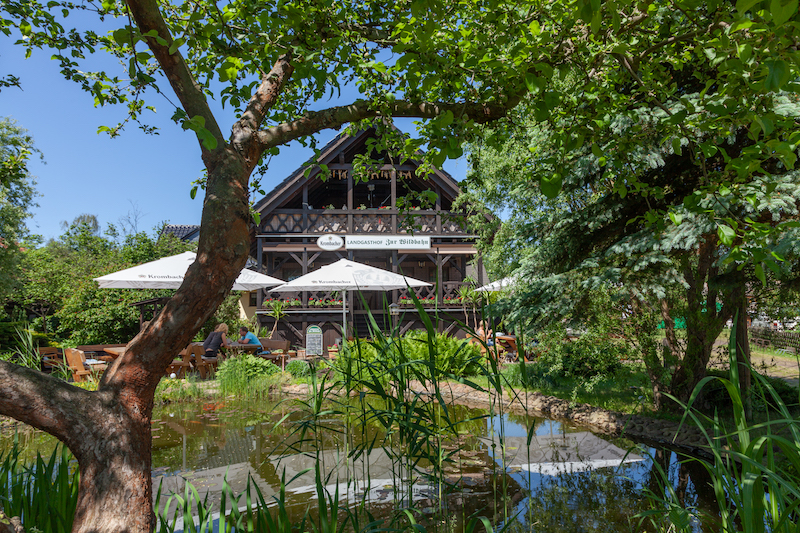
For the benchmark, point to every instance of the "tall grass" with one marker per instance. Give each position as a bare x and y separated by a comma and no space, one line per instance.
44,494
754,467
248,376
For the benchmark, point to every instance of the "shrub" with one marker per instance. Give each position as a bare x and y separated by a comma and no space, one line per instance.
451,356
594,353
298,369
535,377
239,374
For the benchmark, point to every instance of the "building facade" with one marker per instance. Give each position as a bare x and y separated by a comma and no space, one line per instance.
426,240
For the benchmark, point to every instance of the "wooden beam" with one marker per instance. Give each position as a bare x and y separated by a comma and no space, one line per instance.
305,207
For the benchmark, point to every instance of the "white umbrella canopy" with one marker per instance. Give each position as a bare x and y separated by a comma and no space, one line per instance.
168,273
346,275
499,285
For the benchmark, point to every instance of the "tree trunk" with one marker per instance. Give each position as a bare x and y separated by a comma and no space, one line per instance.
116,492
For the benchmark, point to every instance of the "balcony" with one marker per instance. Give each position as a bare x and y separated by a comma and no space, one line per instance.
299,221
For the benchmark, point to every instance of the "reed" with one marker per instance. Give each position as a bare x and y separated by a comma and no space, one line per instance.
754,467
44,493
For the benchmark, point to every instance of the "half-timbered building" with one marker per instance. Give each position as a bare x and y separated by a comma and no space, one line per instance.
363,213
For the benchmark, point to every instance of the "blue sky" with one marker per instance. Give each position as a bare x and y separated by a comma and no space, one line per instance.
86,172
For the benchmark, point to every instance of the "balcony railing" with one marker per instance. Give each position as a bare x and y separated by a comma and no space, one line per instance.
318,300
363,221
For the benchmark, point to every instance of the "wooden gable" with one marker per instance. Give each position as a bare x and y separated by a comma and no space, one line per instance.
332,193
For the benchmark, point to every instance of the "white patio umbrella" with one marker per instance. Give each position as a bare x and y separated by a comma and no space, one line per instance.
168,273
344,275
498,285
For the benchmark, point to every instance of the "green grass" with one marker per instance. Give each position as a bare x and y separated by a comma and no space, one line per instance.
627,390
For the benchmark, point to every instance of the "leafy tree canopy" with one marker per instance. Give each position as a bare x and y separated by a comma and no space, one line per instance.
17,195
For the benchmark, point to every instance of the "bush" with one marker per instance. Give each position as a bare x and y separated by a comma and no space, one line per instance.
536,376
238,374
298,369
451,356
592,354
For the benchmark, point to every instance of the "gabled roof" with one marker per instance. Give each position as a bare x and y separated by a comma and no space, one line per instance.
184,232
328,154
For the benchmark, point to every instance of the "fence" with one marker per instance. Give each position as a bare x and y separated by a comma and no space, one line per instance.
781,340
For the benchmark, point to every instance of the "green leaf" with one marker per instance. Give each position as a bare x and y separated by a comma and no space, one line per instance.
744,5
708,148
741,24
550,187
759,271
177,43
676,218
534,28
207,139
781,13
676,118
193,192
121,36
726,234
778,75
676,146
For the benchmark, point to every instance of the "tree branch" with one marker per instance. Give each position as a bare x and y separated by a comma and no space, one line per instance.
41,401
148,17
335,117
244,134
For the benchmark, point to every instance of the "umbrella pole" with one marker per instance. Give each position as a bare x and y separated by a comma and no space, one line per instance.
344,317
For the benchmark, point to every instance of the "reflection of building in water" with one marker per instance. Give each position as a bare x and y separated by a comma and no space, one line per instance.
560,454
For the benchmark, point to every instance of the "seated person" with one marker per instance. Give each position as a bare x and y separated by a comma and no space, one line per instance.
215,339
485,333
247,337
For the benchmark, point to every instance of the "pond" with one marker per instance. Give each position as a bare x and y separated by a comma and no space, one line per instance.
535,474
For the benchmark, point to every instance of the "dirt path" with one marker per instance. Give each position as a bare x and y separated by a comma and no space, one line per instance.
785,368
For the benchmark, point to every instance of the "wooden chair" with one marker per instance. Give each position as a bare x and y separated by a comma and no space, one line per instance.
52,358
180,365
76,359
204,366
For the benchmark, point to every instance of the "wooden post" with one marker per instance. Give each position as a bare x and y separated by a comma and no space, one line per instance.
350,202
439,287
305,207
438,210
260,268
394,203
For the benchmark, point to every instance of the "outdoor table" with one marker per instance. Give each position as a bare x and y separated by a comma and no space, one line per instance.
510,340
246,347
115,351
282,357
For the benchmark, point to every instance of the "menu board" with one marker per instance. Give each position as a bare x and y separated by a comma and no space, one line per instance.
313,340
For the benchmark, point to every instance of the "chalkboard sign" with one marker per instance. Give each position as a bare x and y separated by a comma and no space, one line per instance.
313,340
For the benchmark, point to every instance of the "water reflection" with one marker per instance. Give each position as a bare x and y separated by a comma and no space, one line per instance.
549,476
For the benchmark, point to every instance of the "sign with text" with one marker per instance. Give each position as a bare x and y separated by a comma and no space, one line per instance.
314,340
386,242
330,242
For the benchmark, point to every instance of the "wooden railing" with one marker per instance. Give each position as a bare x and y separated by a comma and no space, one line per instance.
363,221
333,299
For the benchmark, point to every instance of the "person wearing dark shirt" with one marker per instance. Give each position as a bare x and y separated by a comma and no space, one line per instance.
215,340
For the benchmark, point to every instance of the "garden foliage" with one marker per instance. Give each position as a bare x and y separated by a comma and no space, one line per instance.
452,356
